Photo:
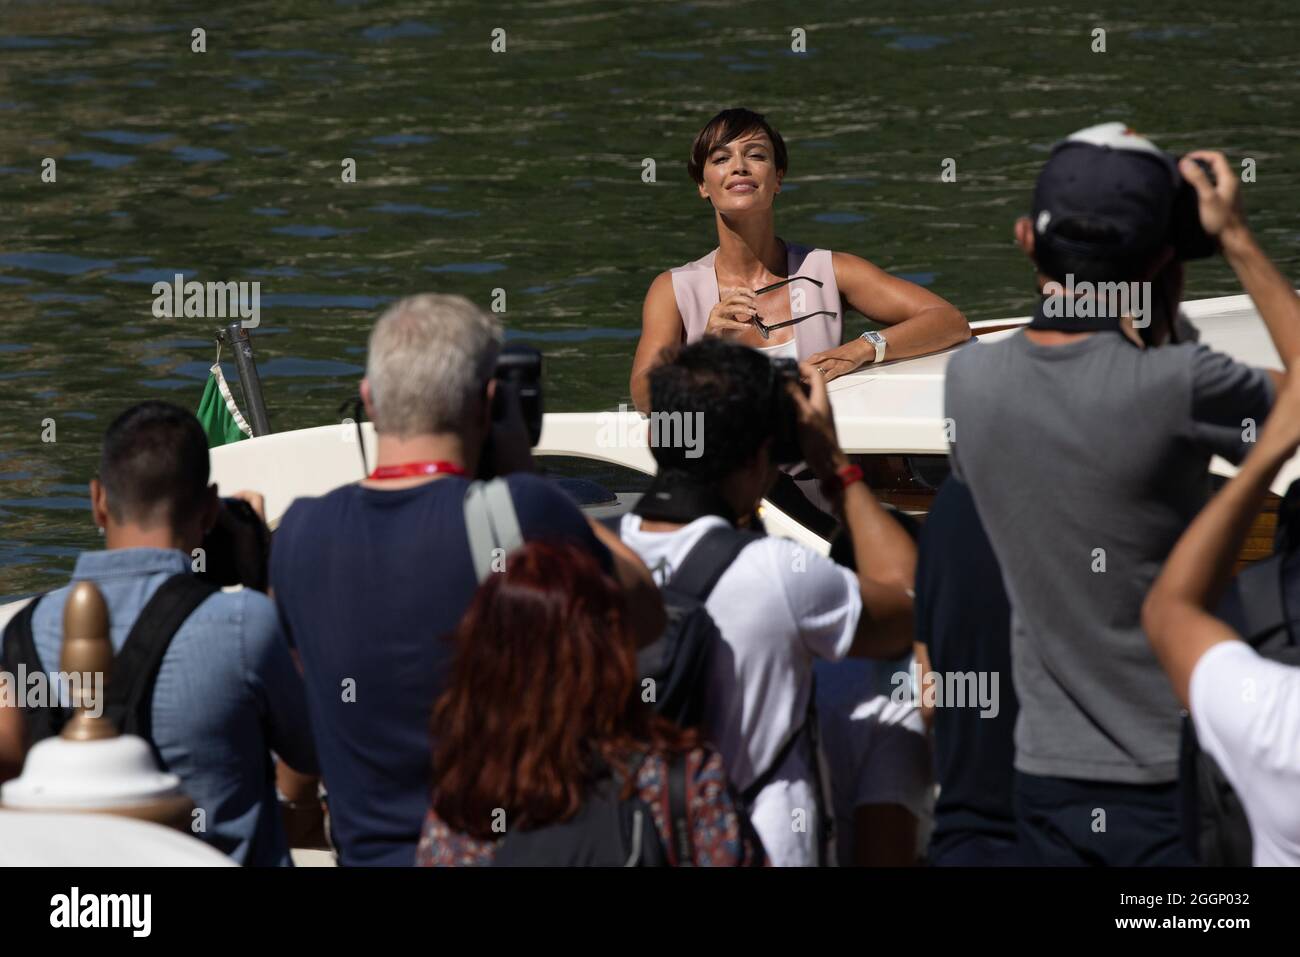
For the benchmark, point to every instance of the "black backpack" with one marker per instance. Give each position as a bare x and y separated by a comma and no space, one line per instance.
1215,827
129,693
607,831
675,666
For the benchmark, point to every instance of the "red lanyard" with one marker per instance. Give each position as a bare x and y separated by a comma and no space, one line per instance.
408,469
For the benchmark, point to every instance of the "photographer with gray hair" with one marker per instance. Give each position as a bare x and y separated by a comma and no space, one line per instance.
370,578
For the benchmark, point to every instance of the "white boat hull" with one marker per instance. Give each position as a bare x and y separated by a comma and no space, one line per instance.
894,408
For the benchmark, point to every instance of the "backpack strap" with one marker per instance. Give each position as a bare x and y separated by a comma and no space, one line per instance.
20,653
490,523
679,825
708,559
825,813
129,695
1260,588
750,794
807,729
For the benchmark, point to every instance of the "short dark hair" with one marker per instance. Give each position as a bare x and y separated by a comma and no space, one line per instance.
727,126
155,457
729,390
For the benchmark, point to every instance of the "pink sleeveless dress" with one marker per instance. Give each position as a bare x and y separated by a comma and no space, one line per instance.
695,286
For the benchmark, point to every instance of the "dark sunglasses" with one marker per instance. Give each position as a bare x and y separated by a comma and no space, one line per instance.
766,330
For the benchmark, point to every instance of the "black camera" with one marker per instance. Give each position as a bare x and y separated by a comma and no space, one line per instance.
1186,234
521,367
785,445
519,370
237,550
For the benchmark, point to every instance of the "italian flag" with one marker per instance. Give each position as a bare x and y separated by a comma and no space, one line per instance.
218,413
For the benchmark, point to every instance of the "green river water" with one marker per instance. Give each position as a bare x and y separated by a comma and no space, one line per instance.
522,170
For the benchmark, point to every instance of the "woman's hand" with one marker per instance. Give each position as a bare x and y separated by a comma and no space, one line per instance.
732,315
842,360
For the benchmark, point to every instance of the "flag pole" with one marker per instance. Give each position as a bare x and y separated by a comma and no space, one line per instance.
236,336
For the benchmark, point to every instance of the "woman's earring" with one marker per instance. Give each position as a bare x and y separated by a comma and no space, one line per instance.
100,529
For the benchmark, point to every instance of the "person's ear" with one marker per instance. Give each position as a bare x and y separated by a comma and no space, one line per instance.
780,177
1024,233
99,503
704,193
367,399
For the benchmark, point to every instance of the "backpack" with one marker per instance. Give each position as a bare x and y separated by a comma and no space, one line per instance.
607,831
1215,827
674,666
677,662
128,695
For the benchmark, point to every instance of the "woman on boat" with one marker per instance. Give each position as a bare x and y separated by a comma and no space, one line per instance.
543,741
781,298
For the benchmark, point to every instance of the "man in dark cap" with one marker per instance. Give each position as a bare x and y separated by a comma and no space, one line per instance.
1085,440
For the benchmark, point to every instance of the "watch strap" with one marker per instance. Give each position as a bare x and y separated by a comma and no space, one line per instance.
878,341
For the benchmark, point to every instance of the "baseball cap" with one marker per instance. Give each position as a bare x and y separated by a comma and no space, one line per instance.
1109,195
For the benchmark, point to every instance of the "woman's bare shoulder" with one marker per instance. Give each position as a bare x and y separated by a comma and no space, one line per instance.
661,292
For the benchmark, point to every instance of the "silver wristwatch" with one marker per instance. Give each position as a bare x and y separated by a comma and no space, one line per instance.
877,340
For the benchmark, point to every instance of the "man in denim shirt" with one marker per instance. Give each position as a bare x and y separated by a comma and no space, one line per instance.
227,691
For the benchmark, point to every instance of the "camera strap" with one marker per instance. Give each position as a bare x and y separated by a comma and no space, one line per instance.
676,499
491,525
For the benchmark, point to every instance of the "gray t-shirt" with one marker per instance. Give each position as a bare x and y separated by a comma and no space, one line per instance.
1087,461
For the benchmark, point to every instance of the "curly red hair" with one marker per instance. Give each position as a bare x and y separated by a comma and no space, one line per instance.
543,689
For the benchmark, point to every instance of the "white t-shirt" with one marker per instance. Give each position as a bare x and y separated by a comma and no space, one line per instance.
778,606
1247,715
785,350
877,747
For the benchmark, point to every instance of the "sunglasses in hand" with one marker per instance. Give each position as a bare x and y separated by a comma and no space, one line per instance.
766,330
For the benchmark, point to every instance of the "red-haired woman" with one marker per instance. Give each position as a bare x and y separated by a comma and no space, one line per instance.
542,712
738,162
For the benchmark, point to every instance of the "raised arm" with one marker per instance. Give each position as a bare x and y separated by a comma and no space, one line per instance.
661,327
920,322
883,551
1222,216
1176,613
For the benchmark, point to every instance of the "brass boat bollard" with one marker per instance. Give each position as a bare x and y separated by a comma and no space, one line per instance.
86,651
89,767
